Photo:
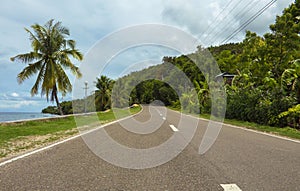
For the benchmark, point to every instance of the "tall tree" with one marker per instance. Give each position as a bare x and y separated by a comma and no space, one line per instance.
49,59
284,42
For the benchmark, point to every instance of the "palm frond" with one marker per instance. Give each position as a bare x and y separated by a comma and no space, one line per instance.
74,53
49,78
28,71
40,32
71,44
61,29
35,43
28,57
66,62
39,79
63,83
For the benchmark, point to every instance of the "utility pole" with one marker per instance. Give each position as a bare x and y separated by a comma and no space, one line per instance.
85,95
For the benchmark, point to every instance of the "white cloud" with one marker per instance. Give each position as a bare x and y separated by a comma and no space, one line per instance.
9,104
15,94
22,101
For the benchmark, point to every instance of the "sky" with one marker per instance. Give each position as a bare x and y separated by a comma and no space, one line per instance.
210,21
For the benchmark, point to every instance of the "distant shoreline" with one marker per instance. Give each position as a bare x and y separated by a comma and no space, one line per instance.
13,117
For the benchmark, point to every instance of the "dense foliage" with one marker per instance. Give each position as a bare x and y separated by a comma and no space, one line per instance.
267,72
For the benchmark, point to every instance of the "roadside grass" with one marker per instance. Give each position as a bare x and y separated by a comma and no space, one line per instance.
282,131
21,136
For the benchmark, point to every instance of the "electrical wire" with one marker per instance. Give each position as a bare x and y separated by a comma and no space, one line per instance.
208,30
249,7
224,18
249,21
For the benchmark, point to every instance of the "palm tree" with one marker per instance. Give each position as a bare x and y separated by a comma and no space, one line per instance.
103,94
290,79
203,93
48,59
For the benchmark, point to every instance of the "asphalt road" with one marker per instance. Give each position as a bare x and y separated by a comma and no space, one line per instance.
250,160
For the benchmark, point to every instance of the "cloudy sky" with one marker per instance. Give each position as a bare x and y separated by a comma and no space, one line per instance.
210,21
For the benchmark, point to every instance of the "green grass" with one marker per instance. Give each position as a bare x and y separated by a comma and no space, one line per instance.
285,131
30,128
11,133
282,131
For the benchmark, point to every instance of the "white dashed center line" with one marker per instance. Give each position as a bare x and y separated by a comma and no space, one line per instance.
174,128
230,187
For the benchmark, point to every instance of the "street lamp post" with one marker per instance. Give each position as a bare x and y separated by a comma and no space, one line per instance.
85,95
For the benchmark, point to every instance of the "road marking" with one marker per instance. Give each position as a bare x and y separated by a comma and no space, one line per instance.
173,128
263,133
230,187
66,140
164,118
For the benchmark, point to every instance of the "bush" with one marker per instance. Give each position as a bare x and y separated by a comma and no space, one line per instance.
255,105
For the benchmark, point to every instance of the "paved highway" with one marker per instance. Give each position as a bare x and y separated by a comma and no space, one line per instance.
238,160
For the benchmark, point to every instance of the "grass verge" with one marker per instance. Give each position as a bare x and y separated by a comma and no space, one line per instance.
23,136
281,131
285,131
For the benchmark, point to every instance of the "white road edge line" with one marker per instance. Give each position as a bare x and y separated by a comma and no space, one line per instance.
244,128
263,133
230,187
173,128
64,141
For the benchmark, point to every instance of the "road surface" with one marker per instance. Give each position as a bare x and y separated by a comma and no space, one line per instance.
239,159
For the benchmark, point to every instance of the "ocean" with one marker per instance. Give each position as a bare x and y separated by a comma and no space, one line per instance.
15,116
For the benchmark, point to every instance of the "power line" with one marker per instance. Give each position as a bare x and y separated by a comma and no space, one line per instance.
249,21
240,14
211,24
225,16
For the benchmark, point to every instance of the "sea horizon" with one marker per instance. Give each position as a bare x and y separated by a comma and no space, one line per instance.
10,116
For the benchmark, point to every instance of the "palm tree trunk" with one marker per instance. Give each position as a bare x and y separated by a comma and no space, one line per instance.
58,104
54,97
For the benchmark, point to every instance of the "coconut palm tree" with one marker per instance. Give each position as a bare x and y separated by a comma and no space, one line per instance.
103,93
48,59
